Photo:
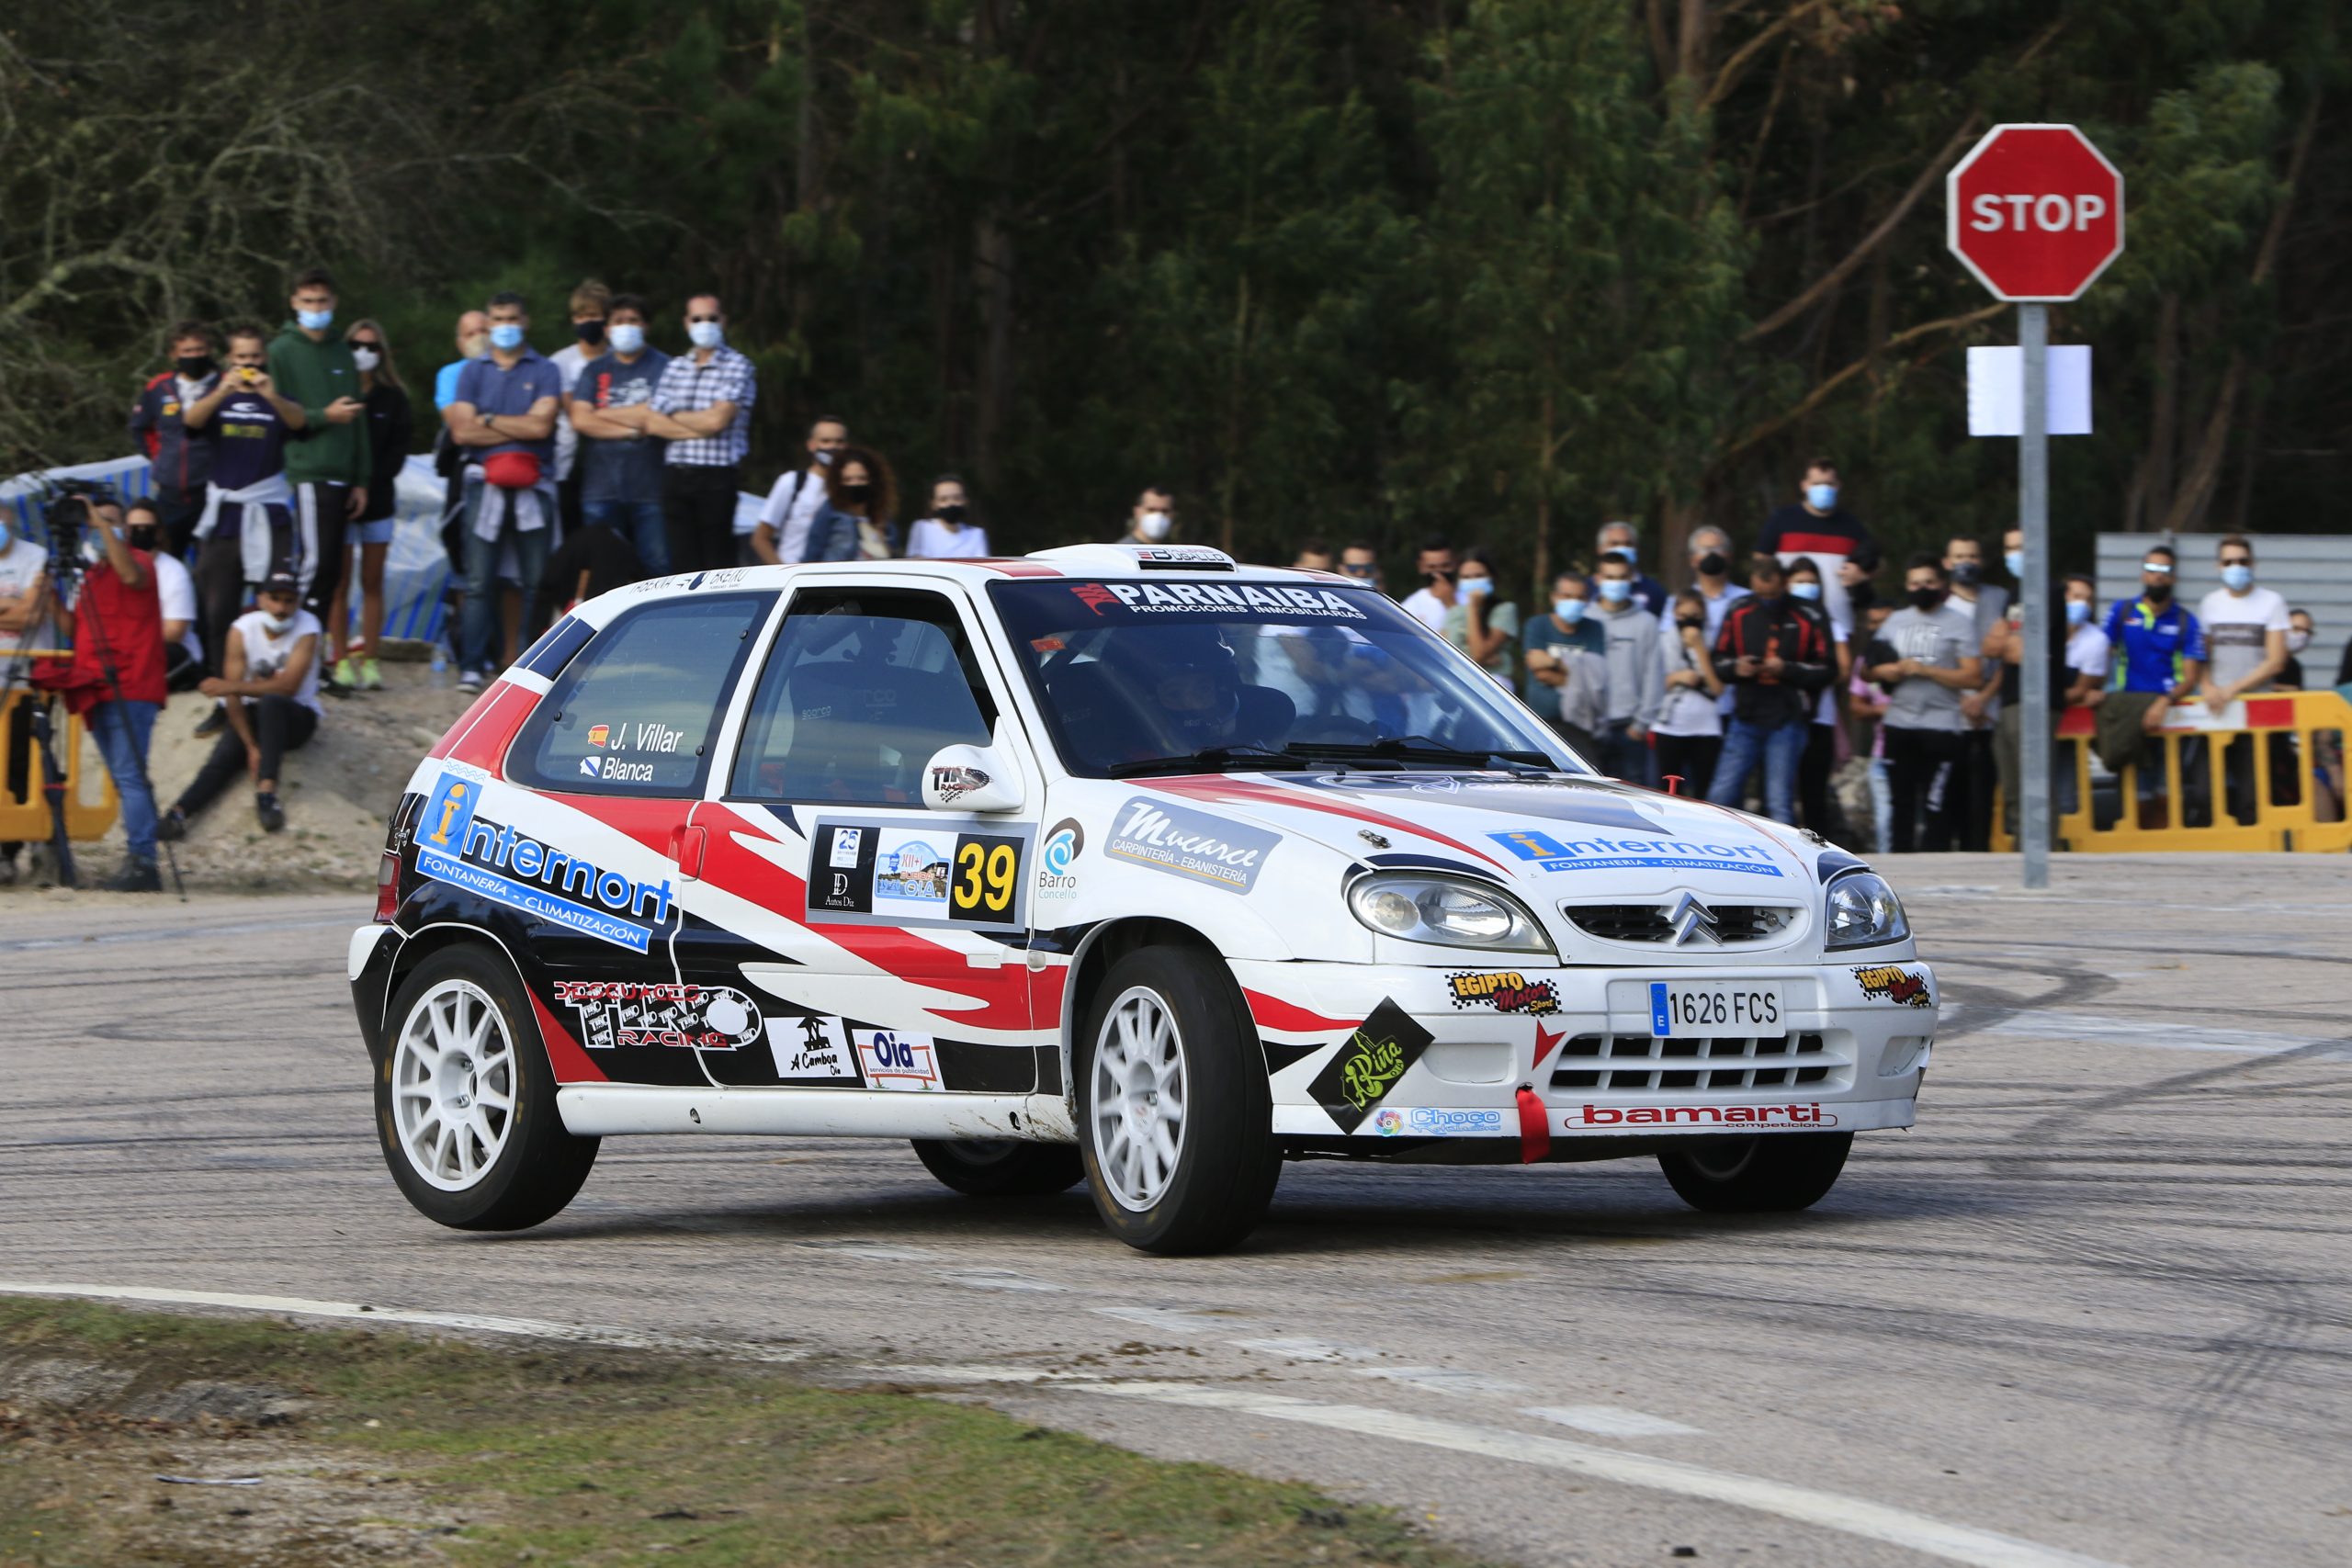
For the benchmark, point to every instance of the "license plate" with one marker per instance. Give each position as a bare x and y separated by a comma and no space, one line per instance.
1713,1009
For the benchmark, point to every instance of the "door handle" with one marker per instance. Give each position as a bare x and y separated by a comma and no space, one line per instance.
689,846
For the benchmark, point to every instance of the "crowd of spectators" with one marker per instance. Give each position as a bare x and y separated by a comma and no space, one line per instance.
275,458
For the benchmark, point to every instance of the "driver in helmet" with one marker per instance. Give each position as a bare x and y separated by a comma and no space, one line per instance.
1189,686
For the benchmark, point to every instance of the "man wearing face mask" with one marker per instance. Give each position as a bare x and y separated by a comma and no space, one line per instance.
2159,660
1927,655
1986,602
271,689
180,461
1152,520
2300,630
504,421
1567,666
1818,524
115,680
1622,541
782,536
246,531
620,467
591,302
1636,677
2246,630
331,467
703,409
1774,659
1711,575
473,342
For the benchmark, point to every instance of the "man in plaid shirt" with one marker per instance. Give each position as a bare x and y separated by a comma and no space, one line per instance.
703,408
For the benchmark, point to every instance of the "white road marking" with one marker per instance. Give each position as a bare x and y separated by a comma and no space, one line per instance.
2048,1023
1307,1349
874,1250
1609,1421
1445,1379
1002,1280
1168,1320
1851,1516
470,1322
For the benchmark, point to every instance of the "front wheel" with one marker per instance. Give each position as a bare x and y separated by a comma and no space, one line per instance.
465,1101
1174,1115
1763,1173
1001,1168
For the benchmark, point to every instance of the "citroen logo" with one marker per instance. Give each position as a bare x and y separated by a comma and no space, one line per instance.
1693,921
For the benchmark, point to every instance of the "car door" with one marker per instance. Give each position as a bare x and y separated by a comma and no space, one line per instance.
607,773
892,937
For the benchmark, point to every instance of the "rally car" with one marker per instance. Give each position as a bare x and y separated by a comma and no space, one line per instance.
1113,863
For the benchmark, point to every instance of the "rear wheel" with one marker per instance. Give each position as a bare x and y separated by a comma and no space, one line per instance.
1001,1167
1174,1115
1768,1173
465,1101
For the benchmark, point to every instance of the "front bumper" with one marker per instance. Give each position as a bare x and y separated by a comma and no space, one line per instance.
1849,1053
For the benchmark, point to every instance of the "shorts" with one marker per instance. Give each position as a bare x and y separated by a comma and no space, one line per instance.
379,532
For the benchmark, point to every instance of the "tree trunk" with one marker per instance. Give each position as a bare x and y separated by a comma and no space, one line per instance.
1541,587
1229,459
993,382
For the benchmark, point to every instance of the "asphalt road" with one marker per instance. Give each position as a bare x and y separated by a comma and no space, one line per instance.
2097,1306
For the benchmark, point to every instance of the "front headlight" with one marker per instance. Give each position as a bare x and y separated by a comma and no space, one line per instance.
1864,911
1440,909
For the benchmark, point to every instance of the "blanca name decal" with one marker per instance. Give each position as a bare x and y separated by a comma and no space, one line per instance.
1894,983
1352,1084
456,845
1602,854
1811,1115
1188,843
1183,598
617,770
631,1013
1505,991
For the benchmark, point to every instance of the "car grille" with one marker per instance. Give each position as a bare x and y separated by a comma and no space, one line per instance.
1736,925
1639,1061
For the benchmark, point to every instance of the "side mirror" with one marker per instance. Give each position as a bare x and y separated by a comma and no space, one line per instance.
971,778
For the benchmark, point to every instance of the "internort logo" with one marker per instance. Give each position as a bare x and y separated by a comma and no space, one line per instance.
1607,854
457,845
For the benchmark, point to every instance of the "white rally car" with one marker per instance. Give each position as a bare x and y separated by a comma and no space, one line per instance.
1111,864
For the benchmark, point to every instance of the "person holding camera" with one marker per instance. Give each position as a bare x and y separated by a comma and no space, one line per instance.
115,679
271,690
248,528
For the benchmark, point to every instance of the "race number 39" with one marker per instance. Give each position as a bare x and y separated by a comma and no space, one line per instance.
985,875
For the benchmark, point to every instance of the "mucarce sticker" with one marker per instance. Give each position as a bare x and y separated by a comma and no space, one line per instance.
1192,844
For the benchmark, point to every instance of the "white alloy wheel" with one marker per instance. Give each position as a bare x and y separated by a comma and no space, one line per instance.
453,1085
1137,1121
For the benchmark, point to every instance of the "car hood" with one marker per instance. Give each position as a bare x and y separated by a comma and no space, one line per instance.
1556,836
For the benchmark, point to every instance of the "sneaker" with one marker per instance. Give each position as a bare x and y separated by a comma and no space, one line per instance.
272,815
136,877
344,674
371,675
172,825
212,723
8,869
470,680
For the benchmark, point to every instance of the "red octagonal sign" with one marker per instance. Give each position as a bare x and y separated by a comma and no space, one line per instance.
2036,211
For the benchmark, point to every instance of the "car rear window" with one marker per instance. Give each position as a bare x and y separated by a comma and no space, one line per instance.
635,713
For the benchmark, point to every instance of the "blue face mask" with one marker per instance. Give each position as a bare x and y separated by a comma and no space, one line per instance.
2015,561
2237,578
1821,498
1478,587
626,338
506,335
1569,610
1804,591
1615,590
2077,611
315,321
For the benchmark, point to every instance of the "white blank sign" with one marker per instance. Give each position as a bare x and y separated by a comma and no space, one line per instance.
1996,391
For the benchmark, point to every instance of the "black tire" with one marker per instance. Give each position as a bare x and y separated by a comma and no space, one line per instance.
537,1166
1766,1174
1226,1160
1001,1167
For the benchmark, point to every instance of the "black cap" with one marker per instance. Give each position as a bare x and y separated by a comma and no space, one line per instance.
280,582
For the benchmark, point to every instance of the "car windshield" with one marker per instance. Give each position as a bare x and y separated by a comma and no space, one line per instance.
1164,676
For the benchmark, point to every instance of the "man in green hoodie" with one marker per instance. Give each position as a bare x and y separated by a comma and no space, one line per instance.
329,469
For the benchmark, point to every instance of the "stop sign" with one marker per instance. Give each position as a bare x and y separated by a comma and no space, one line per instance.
2036,211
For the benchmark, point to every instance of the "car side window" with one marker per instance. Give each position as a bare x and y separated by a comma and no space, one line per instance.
861,687
636,711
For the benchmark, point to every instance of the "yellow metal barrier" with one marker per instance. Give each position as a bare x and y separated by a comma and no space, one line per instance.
2266,772
90,806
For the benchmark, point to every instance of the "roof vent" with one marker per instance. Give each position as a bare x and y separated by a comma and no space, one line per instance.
1139,558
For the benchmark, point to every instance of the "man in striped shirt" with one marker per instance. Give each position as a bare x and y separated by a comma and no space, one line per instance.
703,409
1818,526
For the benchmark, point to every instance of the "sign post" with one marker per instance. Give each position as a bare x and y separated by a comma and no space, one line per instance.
2036,212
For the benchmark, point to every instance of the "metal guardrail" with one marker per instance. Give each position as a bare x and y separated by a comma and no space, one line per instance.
90,804
2264,772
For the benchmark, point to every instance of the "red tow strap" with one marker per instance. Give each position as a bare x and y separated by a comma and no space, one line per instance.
1534,1126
